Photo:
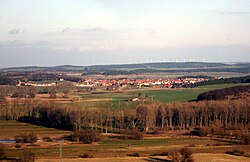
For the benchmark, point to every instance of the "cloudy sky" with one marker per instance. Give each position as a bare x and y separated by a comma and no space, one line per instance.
86,32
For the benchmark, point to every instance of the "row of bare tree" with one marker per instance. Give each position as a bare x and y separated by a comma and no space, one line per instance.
147,116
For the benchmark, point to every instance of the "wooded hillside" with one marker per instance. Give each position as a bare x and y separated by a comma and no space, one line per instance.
226,93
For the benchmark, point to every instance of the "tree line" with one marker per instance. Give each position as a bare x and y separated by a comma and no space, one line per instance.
243,79
147,116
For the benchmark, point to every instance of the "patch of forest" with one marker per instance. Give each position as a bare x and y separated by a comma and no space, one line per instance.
7,80
243,79
146,116
151,70
226,93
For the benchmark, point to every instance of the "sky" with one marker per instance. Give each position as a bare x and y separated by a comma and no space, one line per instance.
90,32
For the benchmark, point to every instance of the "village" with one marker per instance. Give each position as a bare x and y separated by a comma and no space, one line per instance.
90,82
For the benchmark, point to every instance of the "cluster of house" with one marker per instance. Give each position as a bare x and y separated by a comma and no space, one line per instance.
89,82
36,84
169,83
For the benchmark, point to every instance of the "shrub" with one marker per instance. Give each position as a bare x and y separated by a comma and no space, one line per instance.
47,139
85,136
52,94
182,155
245,138
85,156
161,154
18,145
175,156
204,131
32,94
26,138
136,135
156,131
216,128
15,95
235,152
124,134
2,151
164,154
135,154
28,156
133,134
186,154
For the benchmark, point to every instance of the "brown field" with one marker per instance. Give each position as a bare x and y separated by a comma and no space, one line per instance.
112,149
9,129
203,157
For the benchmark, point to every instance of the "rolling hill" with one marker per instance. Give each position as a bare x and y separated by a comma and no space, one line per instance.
160,67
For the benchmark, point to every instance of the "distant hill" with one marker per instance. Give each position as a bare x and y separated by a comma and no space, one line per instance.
160,67
43,68
168,65
26,68
66,68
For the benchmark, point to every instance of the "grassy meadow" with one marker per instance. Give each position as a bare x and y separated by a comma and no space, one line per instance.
183,94
160,94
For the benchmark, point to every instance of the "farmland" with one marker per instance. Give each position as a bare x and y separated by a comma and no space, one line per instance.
188,94
159,94
119,98
111,147
9,129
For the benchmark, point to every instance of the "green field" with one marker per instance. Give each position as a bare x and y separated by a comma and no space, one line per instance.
173,95
160,94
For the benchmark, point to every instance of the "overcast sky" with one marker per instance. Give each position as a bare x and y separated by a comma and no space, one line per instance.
86,32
